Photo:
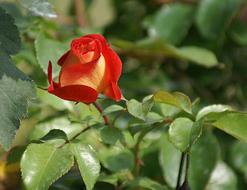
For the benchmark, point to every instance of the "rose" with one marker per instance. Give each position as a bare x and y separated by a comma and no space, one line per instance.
90,67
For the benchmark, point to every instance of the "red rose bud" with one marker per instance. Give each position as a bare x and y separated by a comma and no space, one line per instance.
90,67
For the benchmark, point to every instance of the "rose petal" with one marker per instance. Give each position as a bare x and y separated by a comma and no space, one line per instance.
113,92
90,67
63,58
85,49
50,80
82,45
114,65
98,37
49,71
77,93
89,74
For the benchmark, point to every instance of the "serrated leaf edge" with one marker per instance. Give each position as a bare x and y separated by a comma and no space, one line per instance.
61,174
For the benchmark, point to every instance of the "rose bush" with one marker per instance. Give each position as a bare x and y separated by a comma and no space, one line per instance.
87,69
157,138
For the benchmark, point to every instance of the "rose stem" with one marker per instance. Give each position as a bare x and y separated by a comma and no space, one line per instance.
138,161
106,119
185,185
75,136
183,156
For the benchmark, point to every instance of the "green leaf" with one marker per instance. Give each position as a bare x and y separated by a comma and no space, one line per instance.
54,134
196,106
135,108
128,139
153,117
63,124
86,114
147,104
234,124
112,179
49,50
184,101
167,98
198,55
10,41
169,110
238,157
15,91
238,32
88,163
212,25
176,99
39,7
203,158
222,178
212,111
116,158
112,108
172,22
169,159
43,164
196,132
146,183
14,10
179,133
111,135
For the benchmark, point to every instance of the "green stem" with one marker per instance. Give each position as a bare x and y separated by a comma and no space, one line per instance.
138,161
184,186
106,119
75,136
180,171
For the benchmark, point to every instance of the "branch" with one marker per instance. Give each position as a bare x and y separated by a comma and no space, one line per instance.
184,186
75,136
106,119
138,161
180,171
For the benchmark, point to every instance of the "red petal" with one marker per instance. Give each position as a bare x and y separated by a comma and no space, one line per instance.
113,72
85,49
50,80
113,92
63,58
77,93
114,65
89,74
49,71
98,37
